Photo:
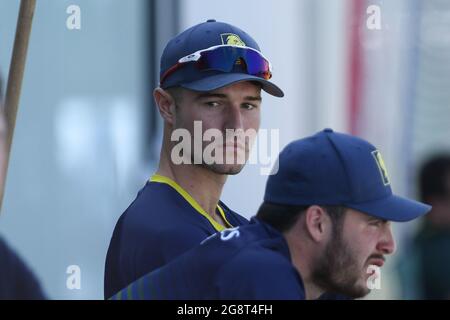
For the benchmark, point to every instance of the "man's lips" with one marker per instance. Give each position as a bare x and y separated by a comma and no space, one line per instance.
379,262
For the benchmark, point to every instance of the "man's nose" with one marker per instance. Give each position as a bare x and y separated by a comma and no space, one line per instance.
387,242
234,117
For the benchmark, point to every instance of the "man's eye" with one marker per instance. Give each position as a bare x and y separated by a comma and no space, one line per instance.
212,103
376,223
248,106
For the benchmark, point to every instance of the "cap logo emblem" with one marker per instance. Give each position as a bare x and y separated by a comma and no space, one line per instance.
232,39
381,166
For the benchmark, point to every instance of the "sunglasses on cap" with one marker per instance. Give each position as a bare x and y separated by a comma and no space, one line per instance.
223,58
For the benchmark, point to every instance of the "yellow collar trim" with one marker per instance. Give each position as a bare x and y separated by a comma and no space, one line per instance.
192,201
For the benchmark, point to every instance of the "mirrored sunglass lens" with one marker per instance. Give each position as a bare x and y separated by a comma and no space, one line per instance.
224,58
257,65
219,59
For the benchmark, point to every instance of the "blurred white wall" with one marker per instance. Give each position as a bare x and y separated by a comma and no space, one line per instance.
77,158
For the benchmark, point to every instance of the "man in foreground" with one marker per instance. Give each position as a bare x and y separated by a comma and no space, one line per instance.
211,78
323,228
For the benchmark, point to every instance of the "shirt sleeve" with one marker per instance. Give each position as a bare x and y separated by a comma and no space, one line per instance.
17,282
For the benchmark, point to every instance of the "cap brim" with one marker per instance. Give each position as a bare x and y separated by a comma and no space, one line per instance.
393,208
221,80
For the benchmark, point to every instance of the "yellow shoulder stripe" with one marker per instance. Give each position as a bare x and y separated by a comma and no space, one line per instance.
192,201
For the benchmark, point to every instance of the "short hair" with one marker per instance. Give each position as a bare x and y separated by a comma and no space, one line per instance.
433,175
282,217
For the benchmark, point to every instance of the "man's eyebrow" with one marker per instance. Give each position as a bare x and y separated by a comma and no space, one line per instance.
384,221
224,96
210,95
250,98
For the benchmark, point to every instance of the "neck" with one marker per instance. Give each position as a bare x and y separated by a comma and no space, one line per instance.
301,256
202,184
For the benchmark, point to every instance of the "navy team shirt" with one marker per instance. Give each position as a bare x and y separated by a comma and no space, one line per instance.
163,222
243,263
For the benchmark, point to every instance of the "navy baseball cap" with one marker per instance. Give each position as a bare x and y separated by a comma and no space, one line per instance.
202,36
336,169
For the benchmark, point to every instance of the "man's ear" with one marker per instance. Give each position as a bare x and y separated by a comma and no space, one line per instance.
165,104
318,223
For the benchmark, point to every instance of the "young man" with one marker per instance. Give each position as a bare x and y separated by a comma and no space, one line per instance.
211,75
321,232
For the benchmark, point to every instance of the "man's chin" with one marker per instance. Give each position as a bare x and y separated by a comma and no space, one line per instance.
360,292
229,169
357,291
350,288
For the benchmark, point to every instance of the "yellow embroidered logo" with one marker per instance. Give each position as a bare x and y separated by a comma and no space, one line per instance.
381,166
232,39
